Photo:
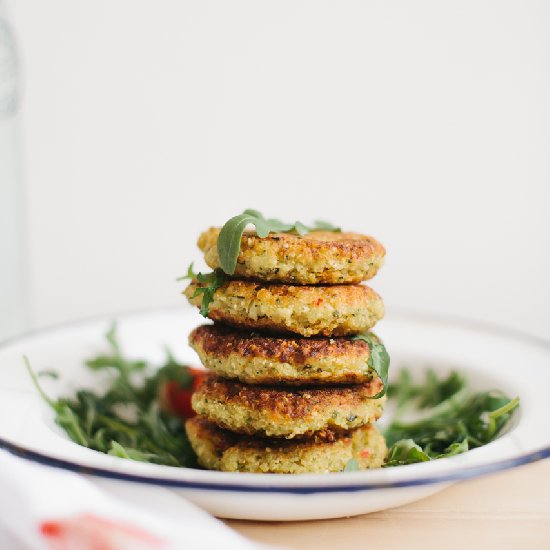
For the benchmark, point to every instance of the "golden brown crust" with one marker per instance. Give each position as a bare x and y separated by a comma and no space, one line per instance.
222,438
290,403
319,257
275,411
223,341
335,310
292,360
219,449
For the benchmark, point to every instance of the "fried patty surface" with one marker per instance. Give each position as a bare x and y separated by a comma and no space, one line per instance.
336,310
258,359
219,449
275,411
319,257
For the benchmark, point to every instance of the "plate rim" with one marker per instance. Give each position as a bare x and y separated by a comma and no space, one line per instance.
459,475
466,472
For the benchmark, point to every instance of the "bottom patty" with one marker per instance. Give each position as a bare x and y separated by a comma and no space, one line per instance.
325,452
273,411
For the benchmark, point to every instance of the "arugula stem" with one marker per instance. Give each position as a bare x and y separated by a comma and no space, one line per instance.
510,406
37,385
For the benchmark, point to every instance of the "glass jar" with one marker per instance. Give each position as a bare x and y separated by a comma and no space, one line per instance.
13,313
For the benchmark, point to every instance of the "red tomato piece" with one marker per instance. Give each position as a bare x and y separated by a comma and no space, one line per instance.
176,399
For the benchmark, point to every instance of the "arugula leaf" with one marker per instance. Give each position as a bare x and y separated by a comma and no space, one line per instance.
402,392
455,449
435,391
126,420
379,359
229,239
65,416
458,420
48,373
134,454
405,451
122,388
323,225
211,281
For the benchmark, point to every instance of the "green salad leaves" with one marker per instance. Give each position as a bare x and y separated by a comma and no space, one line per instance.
229,239
455,418
437,418
126,420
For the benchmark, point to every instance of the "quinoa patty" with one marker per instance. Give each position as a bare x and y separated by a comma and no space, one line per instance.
218,449
325,257
335,310
272,411
257,359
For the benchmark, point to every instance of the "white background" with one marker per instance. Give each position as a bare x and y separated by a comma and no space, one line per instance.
425,124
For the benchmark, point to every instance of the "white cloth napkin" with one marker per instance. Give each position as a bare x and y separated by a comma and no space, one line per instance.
47,508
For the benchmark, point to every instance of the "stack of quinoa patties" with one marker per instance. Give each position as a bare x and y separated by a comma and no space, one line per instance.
293,389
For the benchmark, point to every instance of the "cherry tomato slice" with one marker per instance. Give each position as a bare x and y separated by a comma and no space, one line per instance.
177,400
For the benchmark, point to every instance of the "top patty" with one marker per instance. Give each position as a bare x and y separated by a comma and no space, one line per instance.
319,257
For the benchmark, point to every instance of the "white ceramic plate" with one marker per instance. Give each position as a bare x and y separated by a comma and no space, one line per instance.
491,358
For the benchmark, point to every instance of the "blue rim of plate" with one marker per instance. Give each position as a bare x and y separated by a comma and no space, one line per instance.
464,473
